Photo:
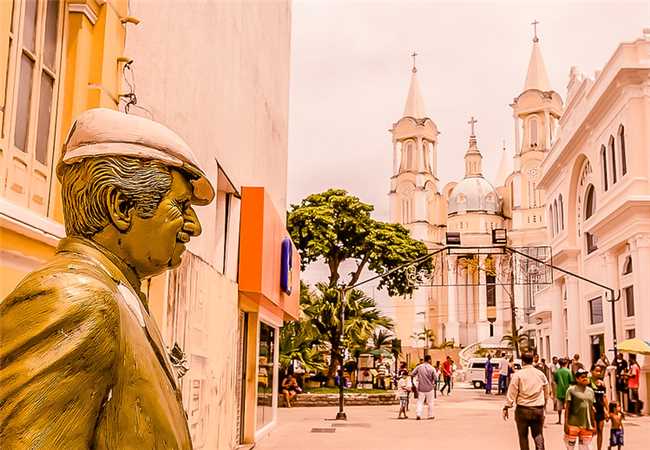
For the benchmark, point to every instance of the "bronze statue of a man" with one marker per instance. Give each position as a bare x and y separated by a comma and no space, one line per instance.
82,363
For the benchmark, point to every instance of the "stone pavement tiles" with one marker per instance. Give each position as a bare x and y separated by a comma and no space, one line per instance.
468,419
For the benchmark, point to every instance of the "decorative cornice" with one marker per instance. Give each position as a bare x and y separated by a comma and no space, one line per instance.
83,8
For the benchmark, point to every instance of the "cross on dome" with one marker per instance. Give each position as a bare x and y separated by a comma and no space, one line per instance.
534,23
413,56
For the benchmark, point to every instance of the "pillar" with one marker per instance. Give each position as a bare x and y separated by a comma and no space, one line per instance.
395,158
517,138
483,329
611,277
452,310
557,328
547,130
575,320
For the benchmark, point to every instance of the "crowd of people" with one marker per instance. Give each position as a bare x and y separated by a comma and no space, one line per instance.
582,395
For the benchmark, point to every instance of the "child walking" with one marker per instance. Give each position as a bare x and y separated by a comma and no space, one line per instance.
616,431
403,391
580,420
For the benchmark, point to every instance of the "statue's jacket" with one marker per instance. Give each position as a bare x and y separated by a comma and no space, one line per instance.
82,363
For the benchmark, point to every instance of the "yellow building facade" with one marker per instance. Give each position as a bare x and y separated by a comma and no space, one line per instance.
57,58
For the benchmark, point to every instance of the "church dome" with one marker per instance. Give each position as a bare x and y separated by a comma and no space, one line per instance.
474,194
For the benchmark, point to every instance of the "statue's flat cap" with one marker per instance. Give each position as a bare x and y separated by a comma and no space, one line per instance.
104,132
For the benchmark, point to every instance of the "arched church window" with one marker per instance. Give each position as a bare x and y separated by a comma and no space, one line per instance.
590,202
603,163
556,226
621,145
590,209
561,211
612,154
627,266
550,220
532,125
409,156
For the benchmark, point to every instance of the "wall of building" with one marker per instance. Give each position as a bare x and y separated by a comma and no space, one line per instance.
217,73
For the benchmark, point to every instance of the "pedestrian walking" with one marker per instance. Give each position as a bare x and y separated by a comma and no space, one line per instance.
576,364
447,371
553,367
404,387
437,374
424,376
580,418
562,382
489,370
634,373
621,379
503,374
616,427
600,404
528,391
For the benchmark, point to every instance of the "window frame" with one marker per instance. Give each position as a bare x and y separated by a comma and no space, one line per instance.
533,140
627,290
21,171
611,144
603,163
593,319
621,146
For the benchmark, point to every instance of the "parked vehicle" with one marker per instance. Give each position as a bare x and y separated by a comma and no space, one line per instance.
476,371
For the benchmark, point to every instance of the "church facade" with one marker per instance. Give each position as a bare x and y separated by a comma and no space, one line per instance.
469,298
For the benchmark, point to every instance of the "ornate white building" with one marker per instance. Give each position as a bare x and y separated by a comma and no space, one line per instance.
466,303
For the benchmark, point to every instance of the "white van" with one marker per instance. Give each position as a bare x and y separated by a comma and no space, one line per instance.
476,371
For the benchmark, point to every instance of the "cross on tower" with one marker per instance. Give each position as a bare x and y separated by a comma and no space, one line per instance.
413,56
472,122
534,23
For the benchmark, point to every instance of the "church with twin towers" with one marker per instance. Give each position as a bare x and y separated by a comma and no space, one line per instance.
466,300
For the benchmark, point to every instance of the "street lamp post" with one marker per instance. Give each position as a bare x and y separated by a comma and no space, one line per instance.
341,414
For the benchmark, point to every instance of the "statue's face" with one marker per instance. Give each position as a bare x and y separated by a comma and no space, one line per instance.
157,243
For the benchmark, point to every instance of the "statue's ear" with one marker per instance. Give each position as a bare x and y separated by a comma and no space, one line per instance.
120,209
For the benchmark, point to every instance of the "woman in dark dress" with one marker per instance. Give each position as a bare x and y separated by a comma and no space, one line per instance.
600,404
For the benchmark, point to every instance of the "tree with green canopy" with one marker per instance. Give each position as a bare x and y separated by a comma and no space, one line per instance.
335,227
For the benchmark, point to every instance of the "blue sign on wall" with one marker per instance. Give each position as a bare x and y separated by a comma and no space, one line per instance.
286,264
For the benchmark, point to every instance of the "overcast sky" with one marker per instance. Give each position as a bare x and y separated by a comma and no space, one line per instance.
351,70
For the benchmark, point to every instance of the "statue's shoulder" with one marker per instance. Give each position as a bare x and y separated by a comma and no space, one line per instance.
68,280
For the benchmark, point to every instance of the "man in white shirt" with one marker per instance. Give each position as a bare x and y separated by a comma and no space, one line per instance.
528,391
425,384
503,373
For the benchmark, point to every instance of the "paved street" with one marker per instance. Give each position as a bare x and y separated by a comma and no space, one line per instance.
466,420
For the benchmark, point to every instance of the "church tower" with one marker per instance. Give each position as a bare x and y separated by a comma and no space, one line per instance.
536,112
416,203
414,197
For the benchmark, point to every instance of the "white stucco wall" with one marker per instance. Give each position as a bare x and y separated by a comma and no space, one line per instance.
218,74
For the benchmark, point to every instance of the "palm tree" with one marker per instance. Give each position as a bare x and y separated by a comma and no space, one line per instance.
322,307
520,340
299,341
381,338
427,336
